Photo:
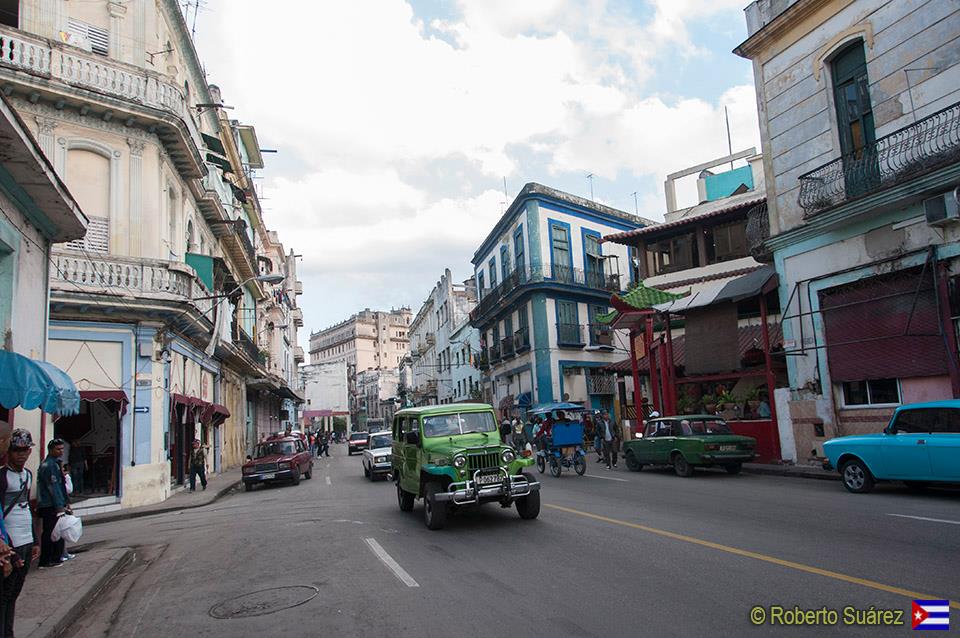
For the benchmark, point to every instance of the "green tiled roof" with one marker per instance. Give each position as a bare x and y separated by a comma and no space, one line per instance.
606,318
642,297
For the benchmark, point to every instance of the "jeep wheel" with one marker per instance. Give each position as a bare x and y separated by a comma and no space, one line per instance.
404,499
434,511
632,463
528,507
681,466
541,464
580,465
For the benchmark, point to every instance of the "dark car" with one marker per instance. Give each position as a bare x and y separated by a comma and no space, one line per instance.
281,459
357,442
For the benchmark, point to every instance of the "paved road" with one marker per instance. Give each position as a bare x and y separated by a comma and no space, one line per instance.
613,553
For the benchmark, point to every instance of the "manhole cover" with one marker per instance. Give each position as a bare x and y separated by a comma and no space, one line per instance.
265,601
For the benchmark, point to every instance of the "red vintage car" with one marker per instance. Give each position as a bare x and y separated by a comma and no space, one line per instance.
281,459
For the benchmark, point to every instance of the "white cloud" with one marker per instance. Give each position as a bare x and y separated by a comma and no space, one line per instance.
375,101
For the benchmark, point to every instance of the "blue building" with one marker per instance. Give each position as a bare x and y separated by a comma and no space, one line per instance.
543,275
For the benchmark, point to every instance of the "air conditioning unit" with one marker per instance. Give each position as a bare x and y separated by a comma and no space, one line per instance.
942,209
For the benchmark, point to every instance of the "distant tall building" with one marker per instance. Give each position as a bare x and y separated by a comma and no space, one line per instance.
370,339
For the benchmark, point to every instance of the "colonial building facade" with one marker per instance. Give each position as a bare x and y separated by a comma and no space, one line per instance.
543,276
859,118
154,311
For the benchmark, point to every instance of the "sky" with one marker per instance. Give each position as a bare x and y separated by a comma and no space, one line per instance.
404,128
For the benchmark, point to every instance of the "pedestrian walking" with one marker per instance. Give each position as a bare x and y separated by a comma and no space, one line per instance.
610,437
326,444
19,522
53,502
198,466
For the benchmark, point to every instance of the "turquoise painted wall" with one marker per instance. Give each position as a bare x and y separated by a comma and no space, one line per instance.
723,184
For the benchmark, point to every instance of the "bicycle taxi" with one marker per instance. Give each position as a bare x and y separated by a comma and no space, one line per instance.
561,447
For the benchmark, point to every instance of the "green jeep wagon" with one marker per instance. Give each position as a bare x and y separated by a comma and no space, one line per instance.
452,455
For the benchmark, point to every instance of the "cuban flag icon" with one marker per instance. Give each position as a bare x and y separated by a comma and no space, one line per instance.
931,614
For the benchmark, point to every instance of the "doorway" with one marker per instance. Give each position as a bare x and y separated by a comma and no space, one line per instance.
92,449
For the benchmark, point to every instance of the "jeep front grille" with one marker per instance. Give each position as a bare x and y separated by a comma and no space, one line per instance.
483,461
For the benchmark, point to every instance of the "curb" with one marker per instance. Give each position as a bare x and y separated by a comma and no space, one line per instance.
815,475
121,515
73,606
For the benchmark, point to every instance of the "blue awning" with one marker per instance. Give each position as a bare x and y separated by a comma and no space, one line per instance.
545,408
29,384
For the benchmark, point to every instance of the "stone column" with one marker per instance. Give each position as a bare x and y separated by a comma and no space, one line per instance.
136,195
45,130
117,12
138,50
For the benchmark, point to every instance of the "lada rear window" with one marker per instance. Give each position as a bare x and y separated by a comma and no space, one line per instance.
705,426
462,423
358,437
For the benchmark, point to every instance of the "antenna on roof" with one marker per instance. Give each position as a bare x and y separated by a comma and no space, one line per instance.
636,206
590,178
726,116
505,196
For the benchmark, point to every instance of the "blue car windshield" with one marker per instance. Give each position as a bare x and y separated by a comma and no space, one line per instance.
454,424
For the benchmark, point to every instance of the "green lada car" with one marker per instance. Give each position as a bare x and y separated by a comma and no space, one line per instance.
689,441
451,456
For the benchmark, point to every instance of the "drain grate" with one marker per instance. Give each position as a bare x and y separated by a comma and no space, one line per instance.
264,601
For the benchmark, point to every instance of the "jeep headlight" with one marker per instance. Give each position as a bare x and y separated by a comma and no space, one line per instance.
459,461
507,456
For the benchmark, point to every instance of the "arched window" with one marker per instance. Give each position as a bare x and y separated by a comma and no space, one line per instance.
190,242
87,172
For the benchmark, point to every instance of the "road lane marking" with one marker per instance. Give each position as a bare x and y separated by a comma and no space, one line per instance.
924,518
607,478
328,479
757,556
387,560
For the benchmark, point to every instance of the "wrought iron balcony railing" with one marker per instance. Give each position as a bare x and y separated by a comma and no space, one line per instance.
758,231
601,335
494,353
919,148
521,340
506,346
490,298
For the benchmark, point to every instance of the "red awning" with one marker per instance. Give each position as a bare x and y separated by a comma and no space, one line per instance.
117,397
214,414
190,402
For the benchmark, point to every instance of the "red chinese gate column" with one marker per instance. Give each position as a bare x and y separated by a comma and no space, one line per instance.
635,369
670,383
771,377
652,364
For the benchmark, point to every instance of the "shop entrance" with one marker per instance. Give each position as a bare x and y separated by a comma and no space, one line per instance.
93,444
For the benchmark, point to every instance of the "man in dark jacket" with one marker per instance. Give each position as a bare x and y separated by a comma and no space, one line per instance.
609,438
52,502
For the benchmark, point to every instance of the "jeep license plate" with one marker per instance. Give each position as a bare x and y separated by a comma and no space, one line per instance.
728,448
488,479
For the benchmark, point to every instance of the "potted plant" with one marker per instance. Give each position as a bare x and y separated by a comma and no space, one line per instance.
753,399
686,405
709,403
725,399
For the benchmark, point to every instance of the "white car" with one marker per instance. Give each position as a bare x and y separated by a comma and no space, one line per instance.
376,457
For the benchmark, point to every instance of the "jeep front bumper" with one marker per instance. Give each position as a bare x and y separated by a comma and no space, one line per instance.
507,487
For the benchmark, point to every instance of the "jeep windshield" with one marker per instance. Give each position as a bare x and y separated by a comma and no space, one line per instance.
380,440
462,423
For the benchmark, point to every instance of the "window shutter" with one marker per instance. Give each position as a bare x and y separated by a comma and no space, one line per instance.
97,239
870,332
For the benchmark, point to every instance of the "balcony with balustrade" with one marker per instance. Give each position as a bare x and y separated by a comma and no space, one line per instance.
542,276
570,335
297,315
298,354
912,152
100,286
100,86
506,347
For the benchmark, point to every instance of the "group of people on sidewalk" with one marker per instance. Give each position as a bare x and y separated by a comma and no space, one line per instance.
600,426
26,526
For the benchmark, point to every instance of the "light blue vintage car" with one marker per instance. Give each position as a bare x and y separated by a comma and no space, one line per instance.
920,446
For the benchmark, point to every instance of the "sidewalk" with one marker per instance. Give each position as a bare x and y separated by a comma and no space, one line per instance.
798,471
53,598
217,486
